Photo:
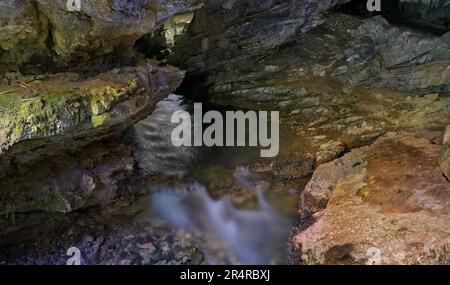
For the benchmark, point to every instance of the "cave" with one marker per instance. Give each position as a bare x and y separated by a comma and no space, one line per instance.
405,13
91,172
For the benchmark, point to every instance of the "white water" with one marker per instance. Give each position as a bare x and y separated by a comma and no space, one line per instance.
248,236
231,235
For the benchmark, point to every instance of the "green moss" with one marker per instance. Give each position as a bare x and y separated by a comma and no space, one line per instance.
425,111
59,105
60,43
102,98
24,118
9,209
99,120
59,98
9,43
8,101
54,203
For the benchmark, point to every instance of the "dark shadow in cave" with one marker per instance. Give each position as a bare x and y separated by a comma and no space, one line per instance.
357,8
420,17
194,88
153,45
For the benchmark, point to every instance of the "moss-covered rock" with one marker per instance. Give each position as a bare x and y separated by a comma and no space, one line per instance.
54,107
23,34
36,35
50,126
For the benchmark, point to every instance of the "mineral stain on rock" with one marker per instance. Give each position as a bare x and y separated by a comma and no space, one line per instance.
403,203
86,99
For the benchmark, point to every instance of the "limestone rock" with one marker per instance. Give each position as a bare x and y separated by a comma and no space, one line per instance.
322,185
42,34
305,73
51,125
444,159
66,182
225,30
171,8
55,108
428,12
391,209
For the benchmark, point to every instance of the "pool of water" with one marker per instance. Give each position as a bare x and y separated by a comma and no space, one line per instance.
237,212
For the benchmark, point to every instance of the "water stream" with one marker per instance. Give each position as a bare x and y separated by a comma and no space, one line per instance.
252,232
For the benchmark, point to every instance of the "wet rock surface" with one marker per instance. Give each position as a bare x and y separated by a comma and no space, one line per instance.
363,101
66,182
339,86
225,34
119,234
70,97
51,155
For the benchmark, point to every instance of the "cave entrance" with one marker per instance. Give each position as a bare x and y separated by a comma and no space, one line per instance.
408,14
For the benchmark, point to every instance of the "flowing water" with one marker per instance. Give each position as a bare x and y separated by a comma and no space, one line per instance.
253,231
242,236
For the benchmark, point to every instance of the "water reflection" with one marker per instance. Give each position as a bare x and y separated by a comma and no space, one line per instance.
231,235
151,140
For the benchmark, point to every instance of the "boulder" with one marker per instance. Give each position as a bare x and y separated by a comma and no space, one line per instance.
390,209
444,159
322,185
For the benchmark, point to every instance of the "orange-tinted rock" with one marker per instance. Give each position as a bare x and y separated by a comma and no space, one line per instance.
392,209
444,159
322,185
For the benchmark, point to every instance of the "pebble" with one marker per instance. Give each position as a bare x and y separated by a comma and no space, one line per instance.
433,97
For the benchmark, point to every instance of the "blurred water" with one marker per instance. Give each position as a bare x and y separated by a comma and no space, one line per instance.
231,235
248,236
